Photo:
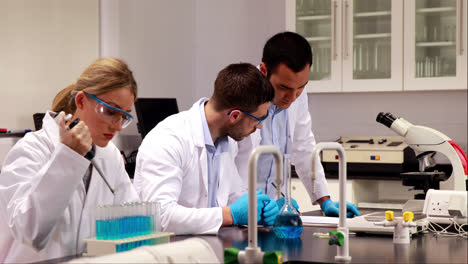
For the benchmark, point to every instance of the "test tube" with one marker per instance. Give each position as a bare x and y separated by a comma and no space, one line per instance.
367,57
376,56
107,218
426,67
318,60
157,219
111,222
328,60
416,69
314,63
141,219
97,217
432,67
360,58
354,58
133,219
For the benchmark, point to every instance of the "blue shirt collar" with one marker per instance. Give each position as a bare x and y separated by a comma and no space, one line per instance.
273,109
222,143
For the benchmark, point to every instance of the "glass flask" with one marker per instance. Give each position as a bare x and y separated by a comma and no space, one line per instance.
288,223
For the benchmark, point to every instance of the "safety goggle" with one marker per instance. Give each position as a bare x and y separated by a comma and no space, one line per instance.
111,114
259,119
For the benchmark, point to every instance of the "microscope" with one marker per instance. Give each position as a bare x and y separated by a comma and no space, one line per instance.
426,142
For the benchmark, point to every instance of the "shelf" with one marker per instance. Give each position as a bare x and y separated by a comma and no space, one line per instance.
309,18
315,39
370,36
436,9
435,44
373,14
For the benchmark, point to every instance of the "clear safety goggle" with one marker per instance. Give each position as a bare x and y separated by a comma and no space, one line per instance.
111,114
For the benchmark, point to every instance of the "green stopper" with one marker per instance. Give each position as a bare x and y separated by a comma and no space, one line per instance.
336,238
272,257
230,255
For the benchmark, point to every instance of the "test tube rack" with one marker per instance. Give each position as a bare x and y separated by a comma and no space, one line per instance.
99,247
125,226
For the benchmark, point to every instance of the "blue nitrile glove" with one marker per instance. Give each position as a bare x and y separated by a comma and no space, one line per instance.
240,208
331,208
280,203
269,213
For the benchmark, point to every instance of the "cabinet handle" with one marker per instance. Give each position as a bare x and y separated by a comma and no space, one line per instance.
460,27
335,5
346,30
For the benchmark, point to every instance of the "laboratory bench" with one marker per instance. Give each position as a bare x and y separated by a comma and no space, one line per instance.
423,248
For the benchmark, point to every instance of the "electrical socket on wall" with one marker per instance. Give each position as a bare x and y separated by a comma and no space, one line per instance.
441,205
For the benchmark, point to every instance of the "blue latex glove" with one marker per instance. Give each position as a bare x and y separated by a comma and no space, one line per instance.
240,208
331,208
269,213
280,203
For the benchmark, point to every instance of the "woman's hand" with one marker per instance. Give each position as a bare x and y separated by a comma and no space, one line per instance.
78,138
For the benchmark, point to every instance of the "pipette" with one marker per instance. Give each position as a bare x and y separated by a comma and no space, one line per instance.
90,154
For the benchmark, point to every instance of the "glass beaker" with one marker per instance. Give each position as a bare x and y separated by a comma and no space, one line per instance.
288,223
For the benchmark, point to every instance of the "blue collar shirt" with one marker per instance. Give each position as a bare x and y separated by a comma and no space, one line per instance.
213,152
272,133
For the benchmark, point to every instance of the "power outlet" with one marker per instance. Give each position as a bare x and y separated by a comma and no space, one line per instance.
441,205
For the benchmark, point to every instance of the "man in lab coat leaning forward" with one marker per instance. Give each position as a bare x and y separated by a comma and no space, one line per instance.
286,62
187,161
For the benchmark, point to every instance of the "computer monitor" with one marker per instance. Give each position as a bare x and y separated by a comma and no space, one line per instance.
151,111
37,117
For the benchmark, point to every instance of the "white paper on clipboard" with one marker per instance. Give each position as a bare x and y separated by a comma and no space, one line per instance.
319,220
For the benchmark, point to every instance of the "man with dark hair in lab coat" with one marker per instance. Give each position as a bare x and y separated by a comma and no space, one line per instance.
187,161
286,62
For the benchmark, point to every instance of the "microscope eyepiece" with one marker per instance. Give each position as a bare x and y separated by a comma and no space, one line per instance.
386,119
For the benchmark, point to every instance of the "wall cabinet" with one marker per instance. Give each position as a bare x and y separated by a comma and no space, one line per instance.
371,45
435,45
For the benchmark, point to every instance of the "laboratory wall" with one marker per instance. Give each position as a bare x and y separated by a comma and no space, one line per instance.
176,48
44,46
156,39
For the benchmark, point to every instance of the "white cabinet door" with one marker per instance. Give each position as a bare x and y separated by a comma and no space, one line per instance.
319,21
372,45
357,44
435,45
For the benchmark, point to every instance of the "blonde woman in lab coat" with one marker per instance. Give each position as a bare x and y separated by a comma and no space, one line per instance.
48,189
187,161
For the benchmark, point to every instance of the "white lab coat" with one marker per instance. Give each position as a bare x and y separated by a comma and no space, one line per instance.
172,169
301,142
46,212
